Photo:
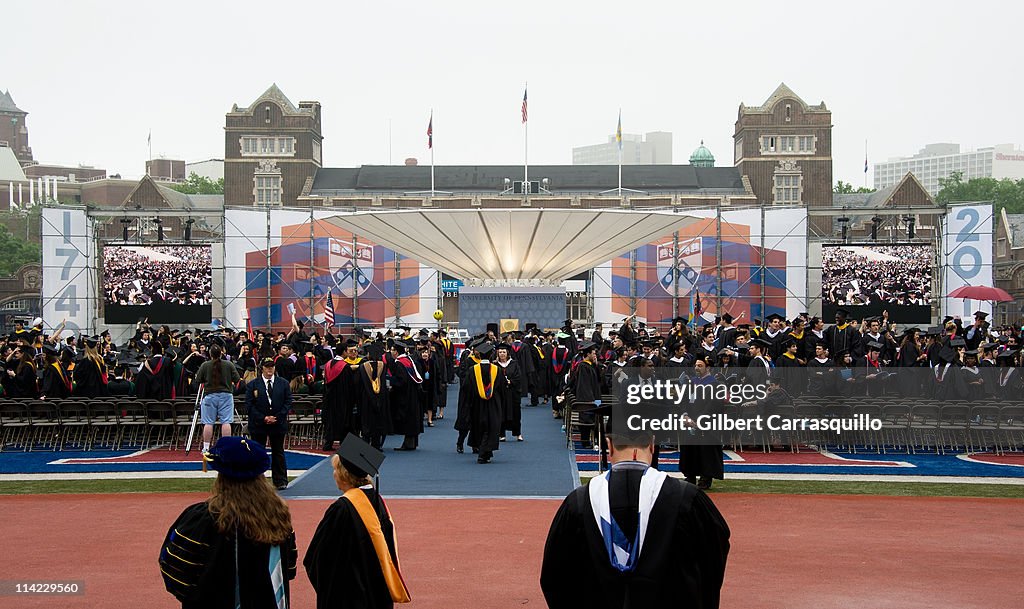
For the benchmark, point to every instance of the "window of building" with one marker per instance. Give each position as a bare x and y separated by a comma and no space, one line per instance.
16,305
787,144
805,143
789,113
577,306
268,146
1001,251
268,190
787,188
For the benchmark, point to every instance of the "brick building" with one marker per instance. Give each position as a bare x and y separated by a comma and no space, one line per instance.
784,148
13,130
271,150
1008,266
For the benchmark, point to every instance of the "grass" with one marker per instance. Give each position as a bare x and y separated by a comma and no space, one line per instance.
143,485
897,489
782,487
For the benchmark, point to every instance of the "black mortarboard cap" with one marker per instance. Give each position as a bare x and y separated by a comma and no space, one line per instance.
587,346
957,342
760,342
1007,354
788,342
358,457
776,316
988,346
845,312
971,352
485,348
981,314
49,349
874,346
351,343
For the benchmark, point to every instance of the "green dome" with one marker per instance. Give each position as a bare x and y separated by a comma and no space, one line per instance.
702,157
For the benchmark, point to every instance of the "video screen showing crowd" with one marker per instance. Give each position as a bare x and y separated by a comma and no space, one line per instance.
890,274
173,283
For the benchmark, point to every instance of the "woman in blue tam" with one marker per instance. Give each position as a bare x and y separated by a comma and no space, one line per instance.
237,548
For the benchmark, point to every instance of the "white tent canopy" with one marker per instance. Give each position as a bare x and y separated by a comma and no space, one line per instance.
517,244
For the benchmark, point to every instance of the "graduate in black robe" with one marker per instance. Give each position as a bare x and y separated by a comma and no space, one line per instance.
484,403
56,379
700,456
406,418
342,385
681,562
463,416
508,388
374,411
342,561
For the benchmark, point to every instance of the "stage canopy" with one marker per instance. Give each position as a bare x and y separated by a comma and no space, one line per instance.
519,244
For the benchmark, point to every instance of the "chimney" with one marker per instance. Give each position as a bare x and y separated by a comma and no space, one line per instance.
411,162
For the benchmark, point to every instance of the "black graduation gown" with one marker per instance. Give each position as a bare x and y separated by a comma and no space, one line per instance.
341,563
25,382
341,399
974,391
682,563
558,366
820,379
843,339
406,418
793,377
89,379
210,568
698,456
508,387
157,384
485,414
374,412
524,357
462,414
54,384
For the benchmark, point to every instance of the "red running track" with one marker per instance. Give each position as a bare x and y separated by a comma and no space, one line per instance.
788,551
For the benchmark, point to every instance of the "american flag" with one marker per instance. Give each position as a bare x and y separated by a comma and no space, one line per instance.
430,131
329,310
524,105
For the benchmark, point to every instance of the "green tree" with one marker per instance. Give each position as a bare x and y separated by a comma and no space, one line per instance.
200,185
845,188
15,252
1005,193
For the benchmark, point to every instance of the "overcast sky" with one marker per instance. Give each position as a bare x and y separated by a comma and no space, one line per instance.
96,77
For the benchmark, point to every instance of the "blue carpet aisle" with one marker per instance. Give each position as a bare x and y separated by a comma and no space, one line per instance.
541,466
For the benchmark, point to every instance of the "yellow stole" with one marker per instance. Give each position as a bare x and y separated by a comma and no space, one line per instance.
392,576
539,351
353,362
374,382
485,392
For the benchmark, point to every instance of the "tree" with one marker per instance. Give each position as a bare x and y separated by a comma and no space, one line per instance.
1005,193
845,188
200,185
15,252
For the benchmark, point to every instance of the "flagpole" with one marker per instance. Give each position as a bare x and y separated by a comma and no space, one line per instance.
149,142
526,146
865,162
618,136
431,153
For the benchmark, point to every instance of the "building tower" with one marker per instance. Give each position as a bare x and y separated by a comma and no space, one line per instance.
784,148
13,130
702,157
271,149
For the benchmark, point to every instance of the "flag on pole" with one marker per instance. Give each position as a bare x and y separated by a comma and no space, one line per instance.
149,138
695,307
329,310
618,131
865,163
430,131
524,104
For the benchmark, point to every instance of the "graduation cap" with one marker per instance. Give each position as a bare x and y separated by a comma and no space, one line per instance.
933,331
238,458
874,346
727,318
789,342
843,312
911,331
107,333
988,346
358,457
980,315
405,328
973,352
172,352
91,341
957,342
1006,354
743,326
268,362
760,342
486,348
49,349
587,346
351,343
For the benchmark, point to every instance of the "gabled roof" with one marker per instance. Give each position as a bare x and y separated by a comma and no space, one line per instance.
781,92
7,103
1014,225
274,94
178,200
562,178
10,168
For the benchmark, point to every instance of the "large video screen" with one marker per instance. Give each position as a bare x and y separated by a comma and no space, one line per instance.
163,283
872,278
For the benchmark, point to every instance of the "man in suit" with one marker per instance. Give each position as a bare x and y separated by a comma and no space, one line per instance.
268,399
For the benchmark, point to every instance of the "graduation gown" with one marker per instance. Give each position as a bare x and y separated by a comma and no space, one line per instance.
697,455
90,379
198,564
682,563
508,388
485,408
341,563
340,403
403,397
462,414
56,382
158,383
375,414
522,353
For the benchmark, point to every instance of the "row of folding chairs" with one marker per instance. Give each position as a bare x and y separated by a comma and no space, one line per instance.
115,423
